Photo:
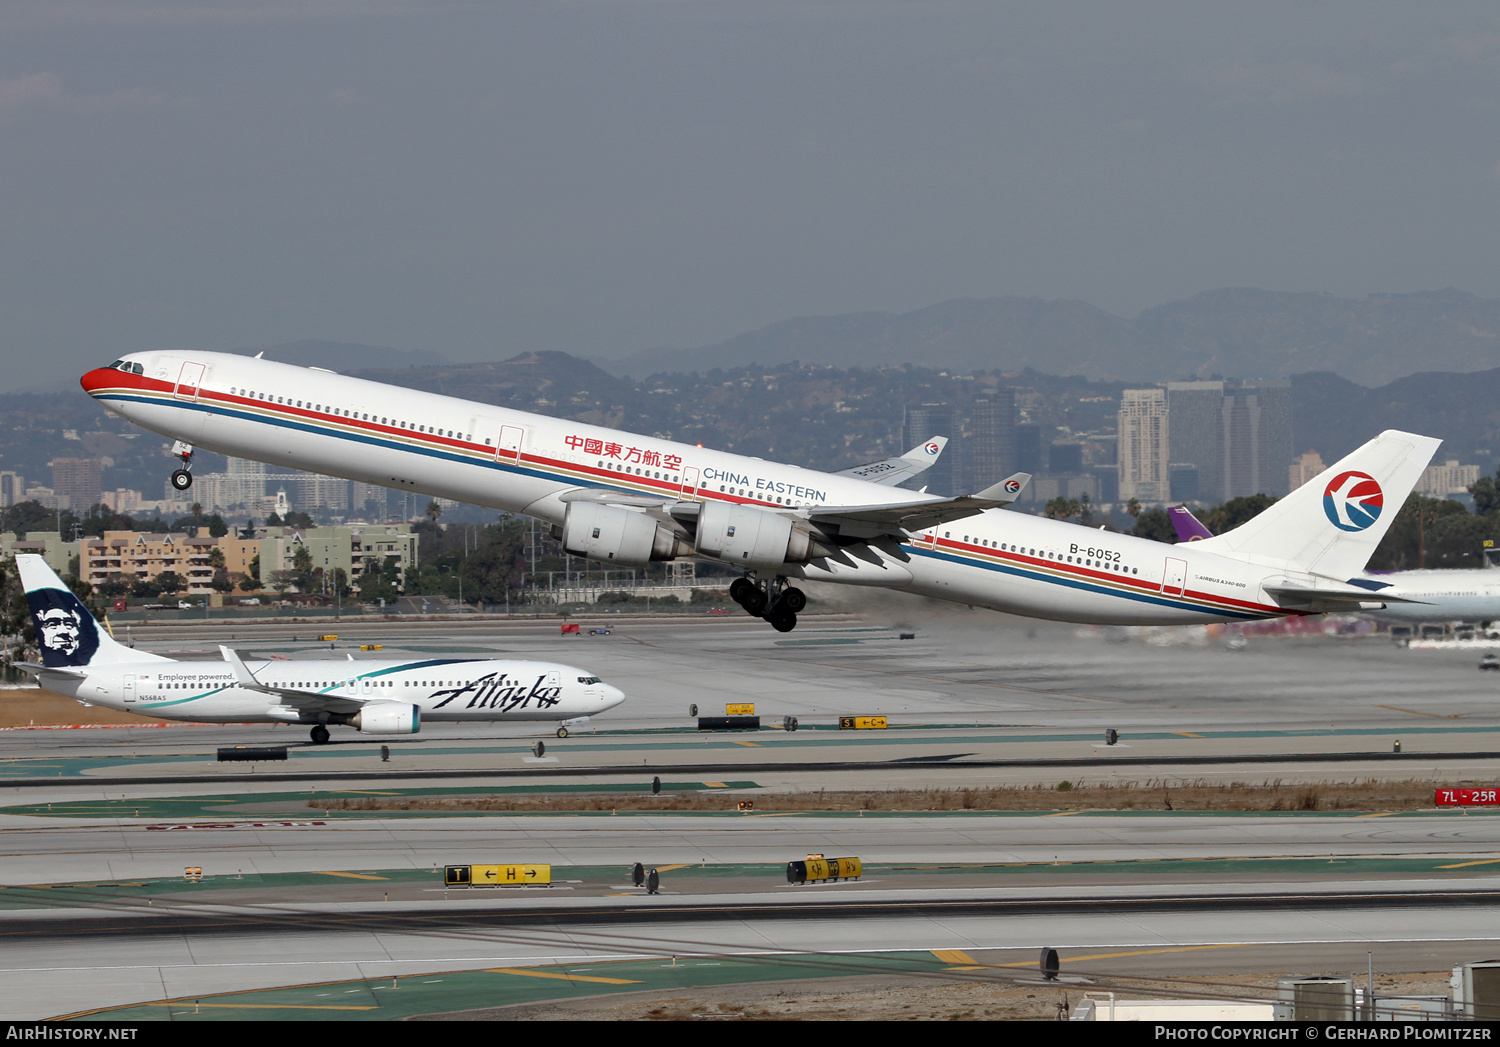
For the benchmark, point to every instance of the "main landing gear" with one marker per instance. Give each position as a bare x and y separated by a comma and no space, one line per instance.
182,479
320,735
775,601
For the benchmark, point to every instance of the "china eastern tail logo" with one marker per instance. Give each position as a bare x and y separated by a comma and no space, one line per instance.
1352,501
932,448
1012,486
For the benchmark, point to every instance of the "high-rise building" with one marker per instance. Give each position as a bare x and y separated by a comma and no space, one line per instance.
79,480
1196,410
1029,448
1065,457
315,491
921,424
1257,441
12,488
1304,469
1237,434
1143,434
992,439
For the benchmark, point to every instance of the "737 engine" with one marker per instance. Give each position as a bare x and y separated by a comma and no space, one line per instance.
387,718
617,535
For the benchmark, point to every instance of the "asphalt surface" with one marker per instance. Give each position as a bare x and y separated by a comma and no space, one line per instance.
98,826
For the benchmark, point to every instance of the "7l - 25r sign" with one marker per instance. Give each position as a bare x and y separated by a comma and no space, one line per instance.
1467,798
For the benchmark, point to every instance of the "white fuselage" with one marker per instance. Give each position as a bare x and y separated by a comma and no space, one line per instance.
1444,596
448,447
443,689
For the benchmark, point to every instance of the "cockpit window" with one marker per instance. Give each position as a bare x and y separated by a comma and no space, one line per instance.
589,679
138,368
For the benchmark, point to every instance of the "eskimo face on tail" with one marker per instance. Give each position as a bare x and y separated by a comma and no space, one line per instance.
64,628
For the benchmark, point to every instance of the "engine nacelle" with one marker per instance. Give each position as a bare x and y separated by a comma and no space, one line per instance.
748,537
387,718
613,534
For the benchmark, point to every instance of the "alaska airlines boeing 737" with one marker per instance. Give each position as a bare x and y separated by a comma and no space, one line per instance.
383,697
625,500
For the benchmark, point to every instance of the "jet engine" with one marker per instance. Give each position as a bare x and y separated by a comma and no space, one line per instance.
387,718
614,534
747,537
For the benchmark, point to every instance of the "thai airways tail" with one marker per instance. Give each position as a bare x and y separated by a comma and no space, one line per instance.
1188,527
1331,525
65,630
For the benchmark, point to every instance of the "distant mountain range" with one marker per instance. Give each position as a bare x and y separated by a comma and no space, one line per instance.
1243,333
344,356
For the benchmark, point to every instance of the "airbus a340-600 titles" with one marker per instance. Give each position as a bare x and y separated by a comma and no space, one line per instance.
625,500
375,697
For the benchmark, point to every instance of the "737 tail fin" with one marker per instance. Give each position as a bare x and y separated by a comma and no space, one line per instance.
65,630
1331,525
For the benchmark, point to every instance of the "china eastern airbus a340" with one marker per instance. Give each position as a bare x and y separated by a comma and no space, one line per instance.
625,500
374,697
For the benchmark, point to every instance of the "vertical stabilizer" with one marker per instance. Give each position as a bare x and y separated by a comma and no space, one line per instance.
65,630
1331,525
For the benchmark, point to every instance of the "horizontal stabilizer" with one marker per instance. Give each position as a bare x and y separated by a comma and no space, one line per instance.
1303,598
61,670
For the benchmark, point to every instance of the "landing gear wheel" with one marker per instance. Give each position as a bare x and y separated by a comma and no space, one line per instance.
562,732
793,600
182,480
320,735
738,588
782,620
754,602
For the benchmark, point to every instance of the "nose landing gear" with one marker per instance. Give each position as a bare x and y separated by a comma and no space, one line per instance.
182,478
775,601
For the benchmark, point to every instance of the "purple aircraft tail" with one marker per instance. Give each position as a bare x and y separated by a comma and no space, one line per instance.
1187,526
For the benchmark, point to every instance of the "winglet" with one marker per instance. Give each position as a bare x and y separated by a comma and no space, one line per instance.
242,675
894,470
925,454
1007,490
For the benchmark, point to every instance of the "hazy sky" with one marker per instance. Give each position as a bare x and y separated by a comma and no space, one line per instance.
479,179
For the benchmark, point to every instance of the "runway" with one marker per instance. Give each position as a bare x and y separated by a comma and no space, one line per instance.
97,826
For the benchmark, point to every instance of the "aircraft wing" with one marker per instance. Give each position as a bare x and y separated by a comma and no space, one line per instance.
901,518
311,701
892,471
598,494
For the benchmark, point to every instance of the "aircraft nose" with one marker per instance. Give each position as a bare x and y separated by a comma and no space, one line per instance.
97,379
613,696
